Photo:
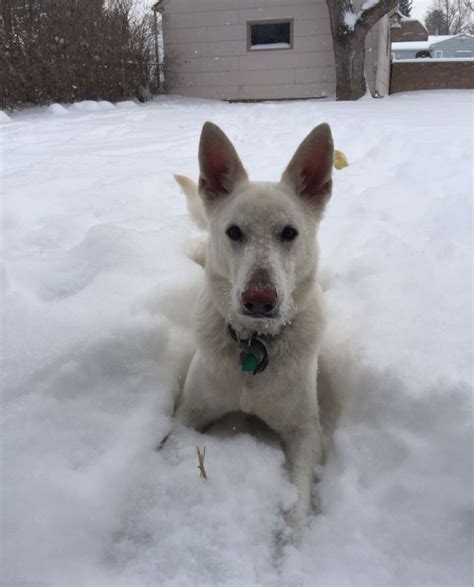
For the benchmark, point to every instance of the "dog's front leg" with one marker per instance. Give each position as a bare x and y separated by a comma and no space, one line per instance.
303,449
202,400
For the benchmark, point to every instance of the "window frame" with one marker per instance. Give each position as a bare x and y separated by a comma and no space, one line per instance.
250,23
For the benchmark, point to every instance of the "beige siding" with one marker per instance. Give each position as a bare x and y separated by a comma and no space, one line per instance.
371,58
196,6
384,60
377,60
206,50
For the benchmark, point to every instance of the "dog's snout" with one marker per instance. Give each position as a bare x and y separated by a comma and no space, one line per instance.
259,300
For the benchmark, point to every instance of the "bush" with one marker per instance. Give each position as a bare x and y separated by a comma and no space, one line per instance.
62,51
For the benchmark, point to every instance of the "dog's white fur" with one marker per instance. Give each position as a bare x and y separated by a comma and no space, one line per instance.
284,395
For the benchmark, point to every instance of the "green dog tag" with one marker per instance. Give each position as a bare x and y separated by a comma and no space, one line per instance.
249,363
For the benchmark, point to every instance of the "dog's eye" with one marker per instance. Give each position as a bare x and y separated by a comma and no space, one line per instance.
234,233
288,233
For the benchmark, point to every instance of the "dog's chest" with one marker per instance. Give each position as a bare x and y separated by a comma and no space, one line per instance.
260,393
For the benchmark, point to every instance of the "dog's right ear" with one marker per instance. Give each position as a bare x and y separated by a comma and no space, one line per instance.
309,171
220,167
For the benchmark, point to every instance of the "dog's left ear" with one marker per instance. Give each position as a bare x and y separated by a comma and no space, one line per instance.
309,171
220,167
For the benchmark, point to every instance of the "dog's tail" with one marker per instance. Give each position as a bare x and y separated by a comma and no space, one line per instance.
197,251
195,205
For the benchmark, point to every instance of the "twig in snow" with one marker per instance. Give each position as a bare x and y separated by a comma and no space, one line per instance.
201,457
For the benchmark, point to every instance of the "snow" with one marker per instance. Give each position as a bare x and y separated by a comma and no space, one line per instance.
4,117
57,110
96,301
270,46
126,104
440,38
434,59
350,19
419,45
86,106
369,4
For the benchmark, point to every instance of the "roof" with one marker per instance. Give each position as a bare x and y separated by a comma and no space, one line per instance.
408,30
420,45
440,40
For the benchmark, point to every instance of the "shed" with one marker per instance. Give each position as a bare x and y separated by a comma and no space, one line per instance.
260,49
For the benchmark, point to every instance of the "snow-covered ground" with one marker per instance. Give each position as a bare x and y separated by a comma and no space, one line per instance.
96,299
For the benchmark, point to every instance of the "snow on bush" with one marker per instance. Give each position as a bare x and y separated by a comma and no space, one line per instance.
57,110
4,117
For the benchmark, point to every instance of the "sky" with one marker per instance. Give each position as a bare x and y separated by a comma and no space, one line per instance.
419,8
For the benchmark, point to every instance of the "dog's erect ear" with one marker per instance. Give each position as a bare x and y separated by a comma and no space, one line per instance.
309,171
220,166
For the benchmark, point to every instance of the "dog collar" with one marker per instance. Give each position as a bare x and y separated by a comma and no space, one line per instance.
253,355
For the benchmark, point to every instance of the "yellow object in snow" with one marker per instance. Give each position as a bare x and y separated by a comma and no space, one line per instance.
340,160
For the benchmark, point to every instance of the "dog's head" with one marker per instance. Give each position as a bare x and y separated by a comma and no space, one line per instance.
262,254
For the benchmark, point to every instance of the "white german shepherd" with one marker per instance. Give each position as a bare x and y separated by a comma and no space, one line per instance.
259,317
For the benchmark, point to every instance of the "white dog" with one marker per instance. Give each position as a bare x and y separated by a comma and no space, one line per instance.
259,317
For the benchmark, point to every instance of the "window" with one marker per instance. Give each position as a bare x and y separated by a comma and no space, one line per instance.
438,54
270,34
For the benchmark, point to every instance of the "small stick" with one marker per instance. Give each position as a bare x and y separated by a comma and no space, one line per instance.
201,457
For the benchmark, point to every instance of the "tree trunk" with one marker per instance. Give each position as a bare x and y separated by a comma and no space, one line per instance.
349,30
349,52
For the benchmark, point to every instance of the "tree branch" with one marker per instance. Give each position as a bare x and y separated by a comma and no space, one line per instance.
374,12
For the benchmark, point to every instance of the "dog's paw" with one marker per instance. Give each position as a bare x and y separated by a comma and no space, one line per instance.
295,522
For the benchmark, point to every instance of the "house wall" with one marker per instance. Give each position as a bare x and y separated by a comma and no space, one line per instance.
407,53
451,46
206,50
427,74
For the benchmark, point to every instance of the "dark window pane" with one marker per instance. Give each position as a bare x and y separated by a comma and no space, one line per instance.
268,34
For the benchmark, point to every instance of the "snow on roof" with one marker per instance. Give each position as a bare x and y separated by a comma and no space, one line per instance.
442,39
410,45
420,45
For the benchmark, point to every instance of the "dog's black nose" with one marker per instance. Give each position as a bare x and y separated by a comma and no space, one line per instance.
259,301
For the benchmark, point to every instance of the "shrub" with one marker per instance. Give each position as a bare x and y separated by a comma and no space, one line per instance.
62,51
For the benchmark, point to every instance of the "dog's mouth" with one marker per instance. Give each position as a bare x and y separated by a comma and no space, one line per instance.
263,322
264,314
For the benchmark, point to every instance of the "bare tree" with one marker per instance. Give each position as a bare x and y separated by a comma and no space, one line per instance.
435,22
449,17
349,29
